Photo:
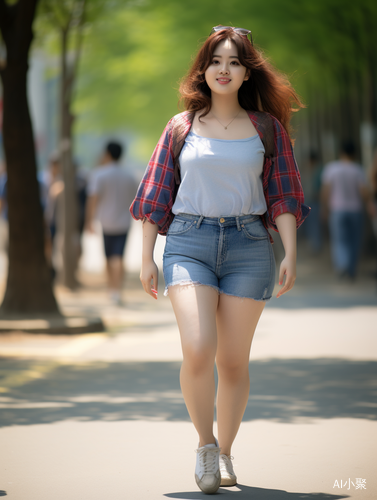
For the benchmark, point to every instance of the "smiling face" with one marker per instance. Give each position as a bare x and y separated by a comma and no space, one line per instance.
225,74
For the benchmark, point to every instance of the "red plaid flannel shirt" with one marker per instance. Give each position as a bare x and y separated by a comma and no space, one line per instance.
281,181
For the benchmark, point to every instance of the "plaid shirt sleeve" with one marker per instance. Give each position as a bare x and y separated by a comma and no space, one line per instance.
154,197
282,182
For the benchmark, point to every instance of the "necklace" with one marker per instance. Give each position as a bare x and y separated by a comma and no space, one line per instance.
225,127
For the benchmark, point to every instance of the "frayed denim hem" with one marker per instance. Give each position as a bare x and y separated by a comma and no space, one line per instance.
188,283
198,283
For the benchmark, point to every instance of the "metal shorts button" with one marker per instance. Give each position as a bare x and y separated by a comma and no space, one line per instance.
222,220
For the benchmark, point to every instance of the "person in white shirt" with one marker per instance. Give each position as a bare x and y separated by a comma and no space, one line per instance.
110,193
344,193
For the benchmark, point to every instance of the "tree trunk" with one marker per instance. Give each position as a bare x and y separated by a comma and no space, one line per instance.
29,287
70,218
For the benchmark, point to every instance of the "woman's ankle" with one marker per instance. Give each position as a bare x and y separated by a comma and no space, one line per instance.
225,453
204,442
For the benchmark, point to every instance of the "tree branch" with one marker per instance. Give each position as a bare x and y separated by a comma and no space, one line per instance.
63,16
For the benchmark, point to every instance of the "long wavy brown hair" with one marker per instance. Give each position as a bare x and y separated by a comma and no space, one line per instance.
266,90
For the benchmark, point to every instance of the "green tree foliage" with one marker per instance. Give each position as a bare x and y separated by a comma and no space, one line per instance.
136,52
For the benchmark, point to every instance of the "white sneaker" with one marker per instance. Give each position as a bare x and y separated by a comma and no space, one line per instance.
207,473
228,477
116,298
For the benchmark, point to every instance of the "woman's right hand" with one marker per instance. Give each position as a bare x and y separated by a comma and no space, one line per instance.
149,273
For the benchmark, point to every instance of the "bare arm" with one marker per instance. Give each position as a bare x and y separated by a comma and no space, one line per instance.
286,224
149,270
91,207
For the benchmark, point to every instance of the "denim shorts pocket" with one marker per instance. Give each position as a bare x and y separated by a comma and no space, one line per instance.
180,226
254,230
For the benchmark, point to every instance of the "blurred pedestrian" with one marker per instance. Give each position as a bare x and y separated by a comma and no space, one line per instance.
222,173
4,216
3,191
110,194
344,193
373,179
3,209
53,199
313,224
81,186
81,191
52,186
102,163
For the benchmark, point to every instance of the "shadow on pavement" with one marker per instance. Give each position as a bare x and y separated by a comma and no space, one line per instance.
242,491
281,390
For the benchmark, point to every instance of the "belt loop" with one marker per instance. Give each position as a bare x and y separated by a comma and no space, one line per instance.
238,223
199,221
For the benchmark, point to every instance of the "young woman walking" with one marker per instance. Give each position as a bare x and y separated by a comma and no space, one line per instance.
234,177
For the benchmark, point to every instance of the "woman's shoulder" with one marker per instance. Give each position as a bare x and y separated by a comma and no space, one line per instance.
180,124
265,123
180,120
263,116
185,117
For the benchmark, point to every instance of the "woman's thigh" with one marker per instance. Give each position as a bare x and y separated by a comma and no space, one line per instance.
195,309
237,320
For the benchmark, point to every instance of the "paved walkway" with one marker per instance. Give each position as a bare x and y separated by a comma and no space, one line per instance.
97,416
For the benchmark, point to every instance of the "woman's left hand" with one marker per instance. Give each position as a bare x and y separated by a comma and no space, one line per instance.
287,268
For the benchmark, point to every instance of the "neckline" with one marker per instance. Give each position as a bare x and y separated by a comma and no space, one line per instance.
224,140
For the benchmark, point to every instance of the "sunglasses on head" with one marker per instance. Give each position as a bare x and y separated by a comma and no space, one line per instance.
239,31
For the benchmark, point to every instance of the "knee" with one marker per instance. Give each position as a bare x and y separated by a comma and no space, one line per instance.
233,371
198,360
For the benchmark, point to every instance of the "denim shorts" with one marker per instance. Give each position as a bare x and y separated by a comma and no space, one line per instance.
231,254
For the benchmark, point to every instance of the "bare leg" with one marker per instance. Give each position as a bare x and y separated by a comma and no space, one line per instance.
195,309
115,272
236,322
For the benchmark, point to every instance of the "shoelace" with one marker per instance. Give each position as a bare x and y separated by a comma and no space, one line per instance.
226,464
208,459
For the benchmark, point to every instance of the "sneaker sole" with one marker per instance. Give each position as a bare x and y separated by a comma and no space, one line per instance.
228,482
207,490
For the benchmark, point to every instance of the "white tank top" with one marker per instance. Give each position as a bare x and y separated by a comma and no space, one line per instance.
221,177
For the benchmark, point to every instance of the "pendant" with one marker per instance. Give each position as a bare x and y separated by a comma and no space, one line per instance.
226,128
